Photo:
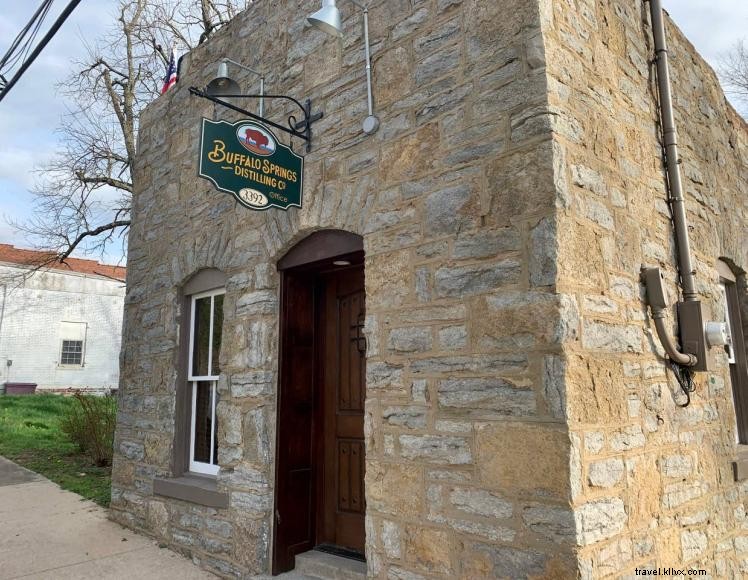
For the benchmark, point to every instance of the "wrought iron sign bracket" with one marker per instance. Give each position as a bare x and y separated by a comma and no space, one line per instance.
301,129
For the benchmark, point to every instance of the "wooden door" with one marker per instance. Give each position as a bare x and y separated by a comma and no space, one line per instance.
295,468
320,457
342,389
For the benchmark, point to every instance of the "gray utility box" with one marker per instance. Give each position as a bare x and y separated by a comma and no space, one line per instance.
692,325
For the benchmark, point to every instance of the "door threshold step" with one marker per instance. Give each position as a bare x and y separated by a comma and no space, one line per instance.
329,566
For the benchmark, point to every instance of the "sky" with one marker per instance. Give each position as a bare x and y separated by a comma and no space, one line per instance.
31,112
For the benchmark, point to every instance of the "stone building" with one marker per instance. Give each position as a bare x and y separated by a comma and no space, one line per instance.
60,326
443,359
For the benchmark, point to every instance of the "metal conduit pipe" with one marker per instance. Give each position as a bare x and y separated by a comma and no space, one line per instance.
677,203
687,360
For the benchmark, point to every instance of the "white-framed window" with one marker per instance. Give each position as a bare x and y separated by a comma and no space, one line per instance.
71,353
729,348
206,322
737,356
72,344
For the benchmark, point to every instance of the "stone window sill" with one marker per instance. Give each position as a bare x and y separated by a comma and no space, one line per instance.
193,488
740,465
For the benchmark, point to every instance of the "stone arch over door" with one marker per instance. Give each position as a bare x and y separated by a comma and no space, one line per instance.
319,491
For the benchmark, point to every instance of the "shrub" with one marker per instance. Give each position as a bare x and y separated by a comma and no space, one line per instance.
90,425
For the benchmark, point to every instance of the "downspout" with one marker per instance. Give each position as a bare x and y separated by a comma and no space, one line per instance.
670,136
676,200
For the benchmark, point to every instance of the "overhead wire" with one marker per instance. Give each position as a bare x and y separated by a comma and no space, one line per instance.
28,59
15,53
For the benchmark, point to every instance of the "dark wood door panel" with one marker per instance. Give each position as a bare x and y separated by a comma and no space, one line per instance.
350,475
343,503
295,476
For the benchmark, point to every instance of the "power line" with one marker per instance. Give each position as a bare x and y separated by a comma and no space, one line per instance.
42,43
13,54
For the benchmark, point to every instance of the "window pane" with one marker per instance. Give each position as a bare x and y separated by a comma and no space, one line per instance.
217,329
201,337
72,352
204,428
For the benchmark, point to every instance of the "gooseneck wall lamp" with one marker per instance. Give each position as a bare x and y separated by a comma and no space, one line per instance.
223,84
224,87
328,19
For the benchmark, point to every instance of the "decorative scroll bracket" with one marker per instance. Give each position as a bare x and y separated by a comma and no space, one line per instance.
301,129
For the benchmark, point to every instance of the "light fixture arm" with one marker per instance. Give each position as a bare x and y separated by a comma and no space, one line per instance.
328,20
259,74
371,123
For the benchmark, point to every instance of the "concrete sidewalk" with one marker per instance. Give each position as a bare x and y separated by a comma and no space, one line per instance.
49,533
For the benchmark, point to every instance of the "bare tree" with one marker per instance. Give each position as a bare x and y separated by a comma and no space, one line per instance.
82,200
734,72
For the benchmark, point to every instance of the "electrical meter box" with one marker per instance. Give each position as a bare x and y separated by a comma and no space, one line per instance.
692,325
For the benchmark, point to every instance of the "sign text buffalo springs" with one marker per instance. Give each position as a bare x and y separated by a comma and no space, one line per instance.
246,160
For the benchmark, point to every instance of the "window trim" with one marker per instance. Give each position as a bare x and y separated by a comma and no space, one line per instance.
738,365
201,280
62,351
201,467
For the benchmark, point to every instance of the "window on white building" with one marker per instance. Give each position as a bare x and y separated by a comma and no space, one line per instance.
72,353
206,321
72,343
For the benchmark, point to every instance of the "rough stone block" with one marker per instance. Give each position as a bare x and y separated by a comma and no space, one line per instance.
693,544
480,503
411,339
409,417
252,384
680,466
470,280
600,519
611,337
486,244
453,337
382,478
436,449
492,395
537,449
429,549
553,522
605,473
259,302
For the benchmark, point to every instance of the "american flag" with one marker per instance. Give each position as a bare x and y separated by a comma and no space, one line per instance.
171,72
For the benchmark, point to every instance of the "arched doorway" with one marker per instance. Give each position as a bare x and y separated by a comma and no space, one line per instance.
319,495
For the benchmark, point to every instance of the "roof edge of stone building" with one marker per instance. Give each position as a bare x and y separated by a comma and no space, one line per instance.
672,27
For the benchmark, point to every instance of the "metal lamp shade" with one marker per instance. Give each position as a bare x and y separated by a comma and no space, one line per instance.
222,84
327,18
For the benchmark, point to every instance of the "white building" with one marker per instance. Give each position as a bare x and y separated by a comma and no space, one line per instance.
61,326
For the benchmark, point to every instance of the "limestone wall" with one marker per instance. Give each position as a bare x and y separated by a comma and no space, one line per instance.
467,453
652,483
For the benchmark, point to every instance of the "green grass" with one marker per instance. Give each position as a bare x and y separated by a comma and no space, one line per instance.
30,435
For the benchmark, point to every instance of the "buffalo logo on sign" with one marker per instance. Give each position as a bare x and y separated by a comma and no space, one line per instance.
246,160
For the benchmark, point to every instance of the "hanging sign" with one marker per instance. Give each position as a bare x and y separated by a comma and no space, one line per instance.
246,160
